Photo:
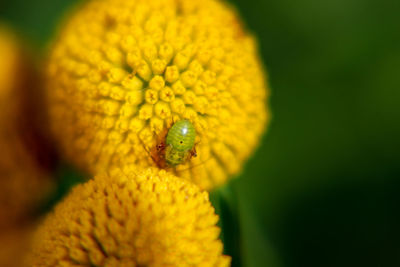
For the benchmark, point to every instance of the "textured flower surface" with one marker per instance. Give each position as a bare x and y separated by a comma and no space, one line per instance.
122,72
23,181
131,217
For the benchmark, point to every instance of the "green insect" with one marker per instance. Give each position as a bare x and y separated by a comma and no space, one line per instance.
179,145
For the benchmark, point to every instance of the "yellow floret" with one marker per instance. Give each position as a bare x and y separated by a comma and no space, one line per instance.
24,181
136,67
131,217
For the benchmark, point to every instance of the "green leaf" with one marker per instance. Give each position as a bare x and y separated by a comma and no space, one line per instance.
244,239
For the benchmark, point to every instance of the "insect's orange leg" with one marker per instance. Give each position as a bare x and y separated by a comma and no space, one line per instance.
193,152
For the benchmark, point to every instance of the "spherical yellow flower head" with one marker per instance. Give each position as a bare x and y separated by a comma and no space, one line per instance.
131,217
23,181
123,72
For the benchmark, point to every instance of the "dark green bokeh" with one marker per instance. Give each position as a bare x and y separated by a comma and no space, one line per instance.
322,190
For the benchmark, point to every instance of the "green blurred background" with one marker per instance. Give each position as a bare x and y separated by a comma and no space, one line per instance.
323,189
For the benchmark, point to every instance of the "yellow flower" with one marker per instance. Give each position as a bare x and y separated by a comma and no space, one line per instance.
131,217
23,180
122,72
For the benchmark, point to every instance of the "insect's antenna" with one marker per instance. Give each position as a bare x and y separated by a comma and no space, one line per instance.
192,166
148,152
201,163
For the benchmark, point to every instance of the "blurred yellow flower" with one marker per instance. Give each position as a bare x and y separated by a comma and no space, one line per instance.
9,61
122,72
14,244
131,217
24,181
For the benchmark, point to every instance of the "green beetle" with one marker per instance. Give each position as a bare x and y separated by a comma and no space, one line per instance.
179,145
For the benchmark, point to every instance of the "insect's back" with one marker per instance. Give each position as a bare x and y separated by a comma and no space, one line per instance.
181,136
